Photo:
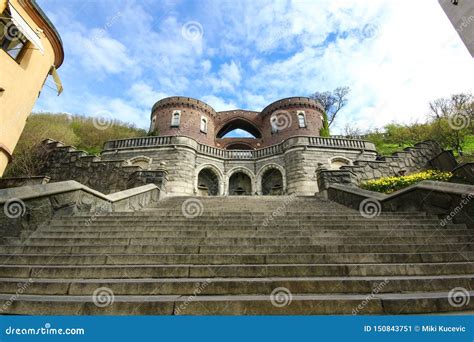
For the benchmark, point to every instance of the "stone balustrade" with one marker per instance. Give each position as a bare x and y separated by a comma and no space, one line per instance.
334,143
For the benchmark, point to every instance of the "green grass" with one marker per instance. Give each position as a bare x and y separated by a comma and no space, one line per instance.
387,149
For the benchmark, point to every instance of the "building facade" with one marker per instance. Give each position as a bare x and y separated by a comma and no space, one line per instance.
191,153
30,50
461,15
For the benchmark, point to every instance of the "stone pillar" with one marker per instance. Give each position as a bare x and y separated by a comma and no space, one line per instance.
300,172
326,177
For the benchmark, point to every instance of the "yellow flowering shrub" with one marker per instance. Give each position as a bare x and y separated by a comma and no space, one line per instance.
391,184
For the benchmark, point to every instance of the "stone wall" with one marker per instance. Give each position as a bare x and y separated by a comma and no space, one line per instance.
67,163
297,160
26,208
181,159
13,182
453,203
411,159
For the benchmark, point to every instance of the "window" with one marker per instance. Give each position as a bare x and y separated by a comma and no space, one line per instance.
12,41
176,118
152,125
301,119
203,124
274,124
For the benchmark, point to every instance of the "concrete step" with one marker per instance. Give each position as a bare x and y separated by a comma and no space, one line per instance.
217,241
238,286
210,220
309,304
137,271
232,249
239,213
268,233
274,226
220,259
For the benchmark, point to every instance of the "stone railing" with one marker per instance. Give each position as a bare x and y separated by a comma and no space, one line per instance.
411,159
137,142
28,207
451,202
339,142
242,154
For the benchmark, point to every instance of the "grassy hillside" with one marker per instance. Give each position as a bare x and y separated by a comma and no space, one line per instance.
387,148
85,133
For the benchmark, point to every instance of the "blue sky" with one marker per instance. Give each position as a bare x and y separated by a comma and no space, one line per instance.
121,56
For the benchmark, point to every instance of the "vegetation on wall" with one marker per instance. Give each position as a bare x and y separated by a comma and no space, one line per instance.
390,184
324,131
83,132
450,123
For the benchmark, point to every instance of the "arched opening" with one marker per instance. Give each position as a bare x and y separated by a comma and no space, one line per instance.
272,182
240,184
208,183
337,162
239,128
141,161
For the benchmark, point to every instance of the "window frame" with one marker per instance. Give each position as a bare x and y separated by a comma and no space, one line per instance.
5,18
173,116
302,114
274,128
203,119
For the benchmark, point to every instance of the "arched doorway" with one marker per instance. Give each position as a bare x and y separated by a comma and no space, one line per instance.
208,183
240,184
272,182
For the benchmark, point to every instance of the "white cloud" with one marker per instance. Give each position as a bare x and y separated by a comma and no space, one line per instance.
218,103
395,55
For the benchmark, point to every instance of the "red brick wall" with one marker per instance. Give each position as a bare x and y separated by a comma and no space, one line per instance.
192,110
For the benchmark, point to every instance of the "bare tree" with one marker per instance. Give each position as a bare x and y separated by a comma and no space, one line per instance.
446,107
352,131
332,102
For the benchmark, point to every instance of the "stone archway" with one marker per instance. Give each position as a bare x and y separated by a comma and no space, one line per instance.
245,180
240,184
271,180
208,181
142,161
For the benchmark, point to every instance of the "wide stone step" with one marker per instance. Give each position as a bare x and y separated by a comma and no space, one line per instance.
232,249
119,271
293,213
310,304
219,259
247,234
209,220
216,241
251,227
238,286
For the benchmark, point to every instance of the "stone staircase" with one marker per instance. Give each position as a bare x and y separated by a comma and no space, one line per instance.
239,256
